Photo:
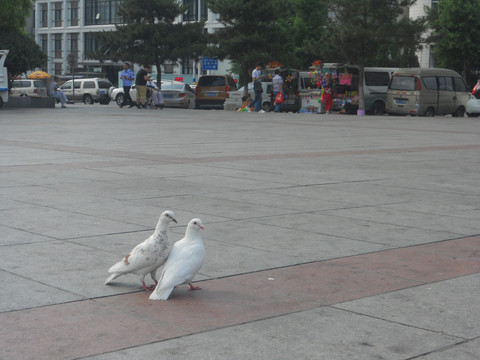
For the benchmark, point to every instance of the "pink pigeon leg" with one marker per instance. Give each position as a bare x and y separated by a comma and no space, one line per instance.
145,286
192,287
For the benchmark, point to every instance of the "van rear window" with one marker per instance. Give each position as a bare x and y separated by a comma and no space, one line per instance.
406,83
376,78
211,81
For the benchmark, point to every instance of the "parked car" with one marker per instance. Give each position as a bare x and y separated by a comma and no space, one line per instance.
212,90
175,94
178,94
28,87
239,98
427,92
88,90
473,106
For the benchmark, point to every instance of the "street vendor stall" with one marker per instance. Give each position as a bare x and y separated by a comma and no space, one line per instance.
340,78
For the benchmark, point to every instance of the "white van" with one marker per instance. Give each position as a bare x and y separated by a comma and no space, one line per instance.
375,85
427,92
3,78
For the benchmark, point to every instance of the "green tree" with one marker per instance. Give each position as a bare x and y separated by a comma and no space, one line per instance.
311,17
149,35
372,33
24,53
255,31
13,13
455,25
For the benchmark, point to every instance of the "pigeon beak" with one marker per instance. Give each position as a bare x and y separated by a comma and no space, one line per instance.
201,227
174,220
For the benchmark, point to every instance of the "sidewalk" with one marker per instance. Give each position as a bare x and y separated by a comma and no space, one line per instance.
328,237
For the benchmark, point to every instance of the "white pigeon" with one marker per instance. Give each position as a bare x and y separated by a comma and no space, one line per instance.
185,259
147,256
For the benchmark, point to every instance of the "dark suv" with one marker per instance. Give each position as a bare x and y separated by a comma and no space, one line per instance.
212,90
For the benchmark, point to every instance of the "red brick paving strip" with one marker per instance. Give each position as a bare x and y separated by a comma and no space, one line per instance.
95,326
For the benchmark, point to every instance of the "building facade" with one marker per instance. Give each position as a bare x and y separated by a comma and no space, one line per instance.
63,29
425,54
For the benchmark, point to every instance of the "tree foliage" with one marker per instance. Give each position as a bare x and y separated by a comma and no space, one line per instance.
455,25
254,32
13,13
149,35
24,53
311,18
372,33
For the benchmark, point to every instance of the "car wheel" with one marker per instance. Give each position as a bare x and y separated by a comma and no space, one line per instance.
460,112
1,102
430,112
266,106
87,99
119,99
378,108
197,105
104,102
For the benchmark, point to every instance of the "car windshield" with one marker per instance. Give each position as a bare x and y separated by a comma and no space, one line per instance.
403,83
167,86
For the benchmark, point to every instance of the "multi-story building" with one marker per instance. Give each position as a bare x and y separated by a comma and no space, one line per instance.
425,54
64,30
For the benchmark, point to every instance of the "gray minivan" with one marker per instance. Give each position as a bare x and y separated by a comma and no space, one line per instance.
427,92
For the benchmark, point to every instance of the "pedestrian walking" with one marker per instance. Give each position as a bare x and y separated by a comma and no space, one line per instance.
141,86
127,76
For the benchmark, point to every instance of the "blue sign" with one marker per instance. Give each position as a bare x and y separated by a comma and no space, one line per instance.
209,63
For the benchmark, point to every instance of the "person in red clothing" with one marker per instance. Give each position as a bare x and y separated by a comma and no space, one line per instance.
328,96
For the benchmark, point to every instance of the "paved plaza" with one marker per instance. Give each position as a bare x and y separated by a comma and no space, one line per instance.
328,237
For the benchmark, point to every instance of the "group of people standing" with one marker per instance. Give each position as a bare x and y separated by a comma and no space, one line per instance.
143,82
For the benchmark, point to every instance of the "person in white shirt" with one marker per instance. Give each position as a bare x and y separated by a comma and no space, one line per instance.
156,94
257,86
277,84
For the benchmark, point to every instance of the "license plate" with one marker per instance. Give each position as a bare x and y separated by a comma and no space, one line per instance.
400,101
211,93
102,92
168,96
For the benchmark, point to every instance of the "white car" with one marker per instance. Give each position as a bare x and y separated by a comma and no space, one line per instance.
28,87
473,106
238,97
175,94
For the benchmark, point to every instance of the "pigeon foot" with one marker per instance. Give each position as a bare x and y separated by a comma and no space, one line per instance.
192,287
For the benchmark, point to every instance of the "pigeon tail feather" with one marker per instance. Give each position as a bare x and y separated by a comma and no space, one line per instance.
161,294
112,277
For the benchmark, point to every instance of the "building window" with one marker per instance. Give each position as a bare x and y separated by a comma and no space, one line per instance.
73,13
58,68
57,14
192,10
203,10
102,12
44,43
44,15
187,66
168,68
91,43
73,42
434,4
57,46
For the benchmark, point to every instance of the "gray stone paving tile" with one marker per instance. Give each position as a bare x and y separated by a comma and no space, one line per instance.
448,307
357,229
322,334
384,215
21,292
61,224
465,351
